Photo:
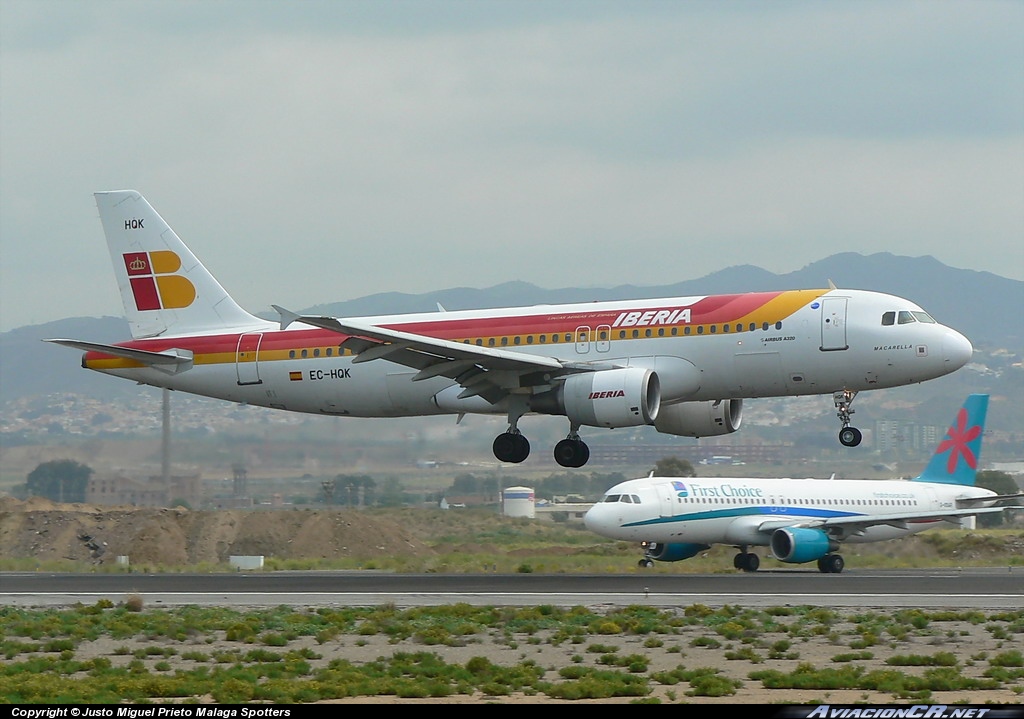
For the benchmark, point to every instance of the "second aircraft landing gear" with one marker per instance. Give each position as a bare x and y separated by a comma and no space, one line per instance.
747,561
848,436
831,564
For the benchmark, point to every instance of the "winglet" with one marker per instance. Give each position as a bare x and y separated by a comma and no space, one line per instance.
957,457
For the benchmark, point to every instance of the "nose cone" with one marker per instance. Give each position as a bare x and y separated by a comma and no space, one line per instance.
956,350
590,517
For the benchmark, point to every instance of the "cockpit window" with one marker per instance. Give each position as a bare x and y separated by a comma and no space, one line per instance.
906,317
611,498
636,499
888,318
924,317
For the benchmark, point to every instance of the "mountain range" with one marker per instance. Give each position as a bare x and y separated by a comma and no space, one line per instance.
987,308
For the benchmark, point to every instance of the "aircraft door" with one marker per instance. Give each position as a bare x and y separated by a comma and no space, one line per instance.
666,499
833,324
247,356
603,338
582,339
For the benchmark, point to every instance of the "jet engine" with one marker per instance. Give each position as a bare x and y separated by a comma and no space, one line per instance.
797,545
672,552
624,397
700,419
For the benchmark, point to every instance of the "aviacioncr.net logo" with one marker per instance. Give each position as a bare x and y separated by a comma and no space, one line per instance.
155,284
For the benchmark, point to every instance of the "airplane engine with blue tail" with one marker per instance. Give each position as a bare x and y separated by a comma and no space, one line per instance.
797,545
672,552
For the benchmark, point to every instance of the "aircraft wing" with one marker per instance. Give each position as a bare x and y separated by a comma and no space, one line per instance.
171,361
486,371
844,527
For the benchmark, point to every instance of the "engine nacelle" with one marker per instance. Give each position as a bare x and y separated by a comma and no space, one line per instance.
611,398
672,552
700,419
797,545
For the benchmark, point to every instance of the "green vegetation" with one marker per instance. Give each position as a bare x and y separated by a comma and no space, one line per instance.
283,654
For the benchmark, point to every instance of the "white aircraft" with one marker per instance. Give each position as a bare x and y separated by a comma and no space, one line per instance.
801,520
681,364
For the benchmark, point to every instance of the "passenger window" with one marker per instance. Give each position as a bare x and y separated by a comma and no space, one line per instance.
888,318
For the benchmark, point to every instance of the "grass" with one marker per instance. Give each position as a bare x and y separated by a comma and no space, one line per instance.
278,654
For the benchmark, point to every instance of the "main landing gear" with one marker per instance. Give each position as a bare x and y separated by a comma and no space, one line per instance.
511,446
848,436
831,564
572,451
746,561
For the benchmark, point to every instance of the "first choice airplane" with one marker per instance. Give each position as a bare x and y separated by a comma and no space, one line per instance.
681,364
801,520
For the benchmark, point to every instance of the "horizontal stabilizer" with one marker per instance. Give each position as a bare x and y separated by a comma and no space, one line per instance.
171,361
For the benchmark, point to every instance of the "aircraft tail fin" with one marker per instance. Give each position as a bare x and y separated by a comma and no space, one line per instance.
164,288
957,456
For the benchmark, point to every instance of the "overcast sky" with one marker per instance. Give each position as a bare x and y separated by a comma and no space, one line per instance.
312,152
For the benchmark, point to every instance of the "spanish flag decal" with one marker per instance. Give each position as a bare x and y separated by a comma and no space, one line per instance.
295,376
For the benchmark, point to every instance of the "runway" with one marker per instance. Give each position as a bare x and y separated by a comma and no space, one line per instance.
982,588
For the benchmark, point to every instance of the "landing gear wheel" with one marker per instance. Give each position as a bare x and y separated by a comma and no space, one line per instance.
511,447
645,563
831,564
747,561
572,453
850,436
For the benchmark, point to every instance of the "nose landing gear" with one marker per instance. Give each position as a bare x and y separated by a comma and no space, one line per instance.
848,436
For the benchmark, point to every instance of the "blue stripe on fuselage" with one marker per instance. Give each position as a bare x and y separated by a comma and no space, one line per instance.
766,512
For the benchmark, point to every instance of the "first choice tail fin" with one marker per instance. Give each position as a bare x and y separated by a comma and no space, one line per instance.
958,455
164,288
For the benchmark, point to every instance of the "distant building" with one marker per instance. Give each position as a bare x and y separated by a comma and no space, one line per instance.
150,492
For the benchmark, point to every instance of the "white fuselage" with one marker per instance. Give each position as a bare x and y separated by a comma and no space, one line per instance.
742,512
821,342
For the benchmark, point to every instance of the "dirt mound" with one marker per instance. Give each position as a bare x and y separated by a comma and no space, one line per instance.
42,530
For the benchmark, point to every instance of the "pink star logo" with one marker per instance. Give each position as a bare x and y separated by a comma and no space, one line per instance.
957,438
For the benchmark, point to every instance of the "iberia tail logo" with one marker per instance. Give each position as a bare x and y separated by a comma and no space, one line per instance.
154,284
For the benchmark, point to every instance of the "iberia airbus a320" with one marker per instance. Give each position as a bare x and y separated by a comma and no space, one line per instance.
681,364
